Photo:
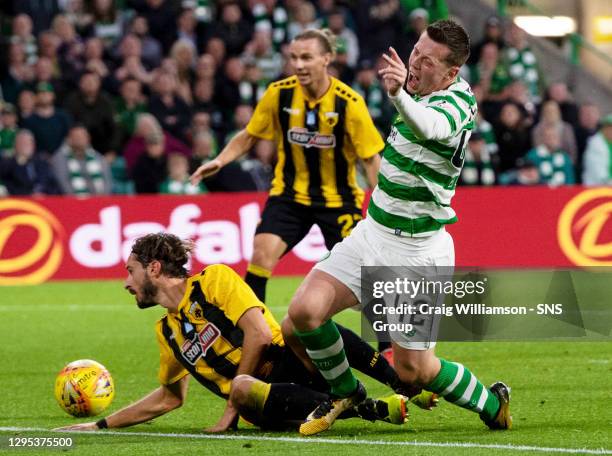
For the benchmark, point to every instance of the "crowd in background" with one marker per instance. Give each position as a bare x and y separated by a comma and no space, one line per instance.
130,96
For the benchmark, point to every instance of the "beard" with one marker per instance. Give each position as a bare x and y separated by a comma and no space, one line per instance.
149,292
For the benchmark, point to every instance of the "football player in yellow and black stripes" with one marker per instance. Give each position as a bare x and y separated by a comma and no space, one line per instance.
321,128
219,333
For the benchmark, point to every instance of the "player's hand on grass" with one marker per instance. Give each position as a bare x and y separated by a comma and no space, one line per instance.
206,170
229,420
394,74
92,426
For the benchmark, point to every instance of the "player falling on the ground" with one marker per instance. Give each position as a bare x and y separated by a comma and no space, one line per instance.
321,127
409,208
217,331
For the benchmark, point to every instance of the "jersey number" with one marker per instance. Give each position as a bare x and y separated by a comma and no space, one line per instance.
459,155
348,221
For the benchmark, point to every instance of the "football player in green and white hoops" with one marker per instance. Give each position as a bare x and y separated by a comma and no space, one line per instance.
407,214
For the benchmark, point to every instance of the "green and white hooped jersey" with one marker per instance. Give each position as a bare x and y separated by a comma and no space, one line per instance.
417,177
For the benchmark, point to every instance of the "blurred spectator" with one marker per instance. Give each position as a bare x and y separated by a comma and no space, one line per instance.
26,104
418,20
368,86
40,12
131,63
512,136
48,124
227,90
305,18
232,28
525,173
205,148
48,45
275,15
151,51
128,107
22,35
44,72
187,25
107,21
493,33
553,162
261,53
161,17
521,61
559,92
168,108
587,126
262,162
94,110
381,24
17,75
206,67
25,173
598,156
436,9
150,169
81,170
78,15
490,73
70,50
93,60
177,182
215,47
344,36
183,55
551,118
8,129
253,85
146,126
478,167
201,124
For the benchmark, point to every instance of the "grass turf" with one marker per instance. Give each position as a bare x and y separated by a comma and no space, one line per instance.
561,391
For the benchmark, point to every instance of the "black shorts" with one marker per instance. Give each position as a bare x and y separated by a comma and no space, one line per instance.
292,221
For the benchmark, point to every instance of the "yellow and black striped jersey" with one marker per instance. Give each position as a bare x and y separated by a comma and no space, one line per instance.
318,142
203,338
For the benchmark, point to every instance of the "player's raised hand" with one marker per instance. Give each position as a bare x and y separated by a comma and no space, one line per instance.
395,73
91,426
206,170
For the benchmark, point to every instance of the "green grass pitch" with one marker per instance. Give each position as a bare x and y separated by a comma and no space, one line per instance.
561,391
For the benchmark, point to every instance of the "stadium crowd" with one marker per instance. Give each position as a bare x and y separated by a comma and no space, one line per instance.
131,96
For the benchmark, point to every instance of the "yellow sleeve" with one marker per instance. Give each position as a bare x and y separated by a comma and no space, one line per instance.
363,134
263,123
170,370
226,290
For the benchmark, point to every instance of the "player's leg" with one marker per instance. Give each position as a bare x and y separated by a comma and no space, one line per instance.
281,227
455,383
416,362
333,285
336,224
286,405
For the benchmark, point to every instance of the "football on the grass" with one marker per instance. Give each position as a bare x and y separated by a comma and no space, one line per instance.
84,388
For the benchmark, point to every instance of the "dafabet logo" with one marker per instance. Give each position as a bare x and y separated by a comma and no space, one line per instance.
31,246
585,228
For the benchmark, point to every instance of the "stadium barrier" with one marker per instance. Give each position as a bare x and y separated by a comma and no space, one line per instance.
58,238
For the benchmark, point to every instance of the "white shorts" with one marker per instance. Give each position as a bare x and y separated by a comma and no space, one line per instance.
370,244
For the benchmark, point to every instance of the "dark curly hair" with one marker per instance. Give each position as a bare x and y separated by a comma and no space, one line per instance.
454,37
171,251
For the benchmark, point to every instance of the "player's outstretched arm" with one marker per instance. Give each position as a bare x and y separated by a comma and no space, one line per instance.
239,145
159,402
